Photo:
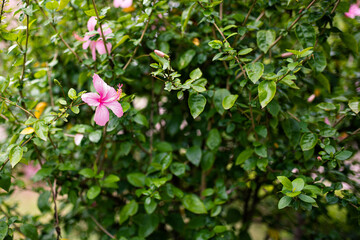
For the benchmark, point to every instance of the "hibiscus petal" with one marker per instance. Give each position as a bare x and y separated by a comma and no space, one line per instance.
91,24
92,99
106,30
100,86
117,3
101,115
100,47
93,50
126,3
86,44
115,106
77,37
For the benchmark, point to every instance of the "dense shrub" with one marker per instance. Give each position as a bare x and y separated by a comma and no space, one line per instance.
243,123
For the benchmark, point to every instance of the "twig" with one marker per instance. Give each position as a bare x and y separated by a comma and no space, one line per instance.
50,85
252,116
2,9
293,116
141,38
8,159
280,37
21,82
249,12
336,5
61,38
102,35
102,228
12,103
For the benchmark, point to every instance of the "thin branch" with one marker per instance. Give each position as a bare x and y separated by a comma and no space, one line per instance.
102,228
61,38
20,107
141,38
2,9
336,5
280,37
8,159
249,12
102,35
21,81
252,116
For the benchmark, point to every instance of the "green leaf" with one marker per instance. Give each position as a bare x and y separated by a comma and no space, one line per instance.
207,161
3,230
4,83
29,231
214,139
262,163
72,94
219,97
193,154
52,5
297,184
87,172
254,71
245,51
306,198
5,182
150,205
288,81
128,210
308,141
185,16
136,179
229,101
75,109
323,81
95,136
306,35
186,58
326,106
43,202
350,42
63,4
215,44
292,194
177,169
266,91
147,224
196,104
343,155
354,105
93,192
284,202
41,130
243,156
141,119
15,155
318,62
193,203
313,189
196,74
264,39
261,131
285,182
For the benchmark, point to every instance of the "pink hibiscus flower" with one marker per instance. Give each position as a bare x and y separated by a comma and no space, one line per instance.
354,11
97,44
107,97
123,3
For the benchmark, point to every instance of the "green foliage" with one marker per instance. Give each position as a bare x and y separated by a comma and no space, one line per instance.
247,113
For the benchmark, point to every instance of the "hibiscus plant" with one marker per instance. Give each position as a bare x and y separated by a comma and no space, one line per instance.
140,119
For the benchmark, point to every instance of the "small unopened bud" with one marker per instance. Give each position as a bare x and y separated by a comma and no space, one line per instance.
311,98
319,158
287,54
160,53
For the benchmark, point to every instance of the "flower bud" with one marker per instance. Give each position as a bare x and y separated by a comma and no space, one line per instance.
311,98
319,158
160,53
287,54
